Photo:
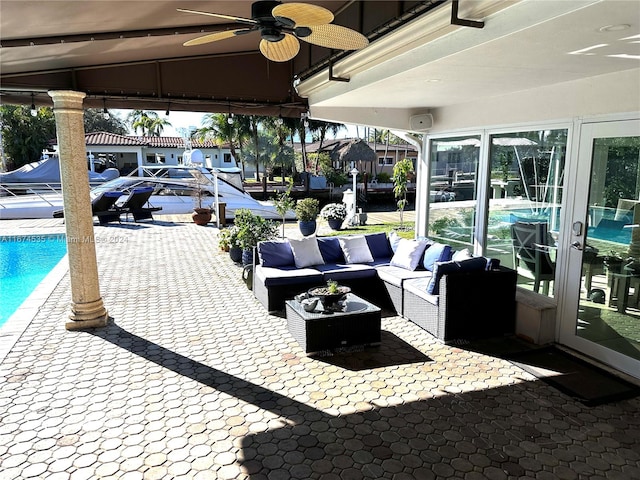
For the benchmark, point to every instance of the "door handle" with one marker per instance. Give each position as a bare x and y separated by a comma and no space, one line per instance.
577,245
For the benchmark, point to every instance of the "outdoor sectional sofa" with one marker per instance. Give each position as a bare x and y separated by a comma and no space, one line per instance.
451,295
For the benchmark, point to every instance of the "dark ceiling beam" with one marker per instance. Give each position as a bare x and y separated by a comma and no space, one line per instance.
204,83
91,37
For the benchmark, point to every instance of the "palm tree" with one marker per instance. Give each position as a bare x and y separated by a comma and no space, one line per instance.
149,122
218,128
242,127
322,128
283,154
156,126
254,124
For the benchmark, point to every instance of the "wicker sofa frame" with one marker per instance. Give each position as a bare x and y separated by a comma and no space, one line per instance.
478,304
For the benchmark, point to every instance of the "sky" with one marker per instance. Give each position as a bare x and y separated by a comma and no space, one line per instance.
182,121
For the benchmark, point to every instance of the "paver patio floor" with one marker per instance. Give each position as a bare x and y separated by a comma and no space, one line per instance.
193,379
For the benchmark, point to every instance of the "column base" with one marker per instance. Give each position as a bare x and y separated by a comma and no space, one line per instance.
87,315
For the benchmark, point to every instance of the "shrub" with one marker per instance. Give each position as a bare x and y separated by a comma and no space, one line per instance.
307,209
383,177
335,211
253,229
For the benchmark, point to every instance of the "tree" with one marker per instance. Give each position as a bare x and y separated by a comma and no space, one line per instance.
24,136
254,127
401,171
322,129
283,155
149,122
284,202
218,128
94,121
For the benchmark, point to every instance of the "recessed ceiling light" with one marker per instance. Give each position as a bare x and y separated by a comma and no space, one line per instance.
614,28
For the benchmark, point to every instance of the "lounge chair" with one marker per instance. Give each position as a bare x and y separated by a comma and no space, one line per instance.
135,204
102,206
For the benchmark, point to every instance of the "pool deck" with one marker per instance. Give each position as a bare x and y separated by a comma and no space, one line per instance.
192,379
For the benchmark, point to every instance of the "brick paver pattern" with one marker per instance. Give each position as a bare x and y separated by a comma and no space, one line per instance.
192,379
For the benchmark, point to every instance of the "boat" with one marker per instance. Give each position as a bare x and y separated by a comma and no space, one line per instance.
175,191
46,171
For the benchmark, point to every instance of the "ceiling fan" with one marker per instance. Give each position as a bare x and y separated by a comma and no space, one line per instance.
281,25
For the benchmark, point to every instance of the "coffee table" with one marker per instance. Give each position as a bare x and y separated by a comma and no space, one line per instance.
358,324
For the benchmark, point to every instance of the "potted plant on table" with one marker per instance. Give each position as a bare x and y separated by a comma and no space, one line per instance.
334,214
307,212
330,294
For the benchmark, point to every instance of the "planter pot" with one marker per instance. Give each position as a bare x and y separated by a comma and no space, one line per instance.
235,253
247,256
307,228
201,216
335,223
329,300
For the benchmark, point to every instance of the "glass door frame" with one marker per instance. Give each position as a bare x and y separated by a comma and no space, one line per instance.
579,171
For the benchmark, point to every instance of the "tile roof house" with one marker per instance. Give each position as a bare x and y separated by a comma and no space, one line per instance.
127,152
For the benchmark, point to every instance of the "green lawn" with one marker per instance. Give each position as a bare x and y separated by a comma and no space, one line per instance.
406,231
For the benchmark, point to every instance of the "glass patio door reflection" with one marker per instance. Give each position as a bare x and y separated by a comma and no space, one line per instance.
606,247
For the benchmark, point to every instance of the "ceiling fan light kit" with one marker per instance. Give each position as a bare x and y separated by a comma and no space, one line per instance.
282,25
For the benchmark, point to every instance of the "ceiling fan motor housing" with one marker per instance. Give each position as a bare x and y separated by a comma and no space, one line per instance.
270,28
261,11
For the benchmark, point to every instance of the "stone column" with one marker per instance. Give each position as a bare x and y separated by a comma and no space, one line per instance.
87,309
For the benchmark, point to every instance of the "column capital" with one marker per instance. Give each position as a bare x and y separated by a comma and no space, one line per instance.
67,98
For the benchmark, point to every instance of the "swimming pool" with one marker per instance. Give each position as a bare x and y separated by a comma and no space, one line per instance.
25,260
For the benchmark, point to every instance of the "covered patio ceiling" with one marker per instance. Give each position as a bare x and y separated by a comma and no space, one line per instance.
129,54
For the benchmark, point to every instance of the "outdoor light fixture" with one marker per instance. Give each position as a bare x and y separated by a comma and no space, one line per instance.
304,116
279,120
166,114
105,112
34,110
230,119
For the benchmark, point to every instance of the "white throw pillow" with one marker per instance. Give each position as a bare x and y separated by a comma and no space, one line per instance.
394,239
306,252
460,255
356,249
408,254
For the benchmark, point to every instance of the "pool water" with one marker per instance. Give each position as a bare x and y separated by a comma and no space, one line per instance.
25,260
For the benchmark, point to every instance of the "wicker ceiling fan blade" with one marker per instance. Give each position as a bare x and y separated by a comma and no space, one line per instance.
336,37
281,51
214,37
302,14
247,21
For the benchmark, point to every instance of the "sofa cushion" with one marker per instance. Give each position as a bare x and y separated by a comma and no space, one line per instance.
356,249
379,246
397,275
330,249
306,252
418,287
350,271
292,275
444,268
408,253
275,254
437,252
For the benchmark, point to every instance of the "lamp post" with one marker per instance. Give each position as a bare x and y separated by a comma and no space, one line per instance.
354,172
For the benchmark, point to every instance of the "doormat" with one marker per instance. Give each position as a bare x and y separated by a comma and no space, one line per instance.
575,377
